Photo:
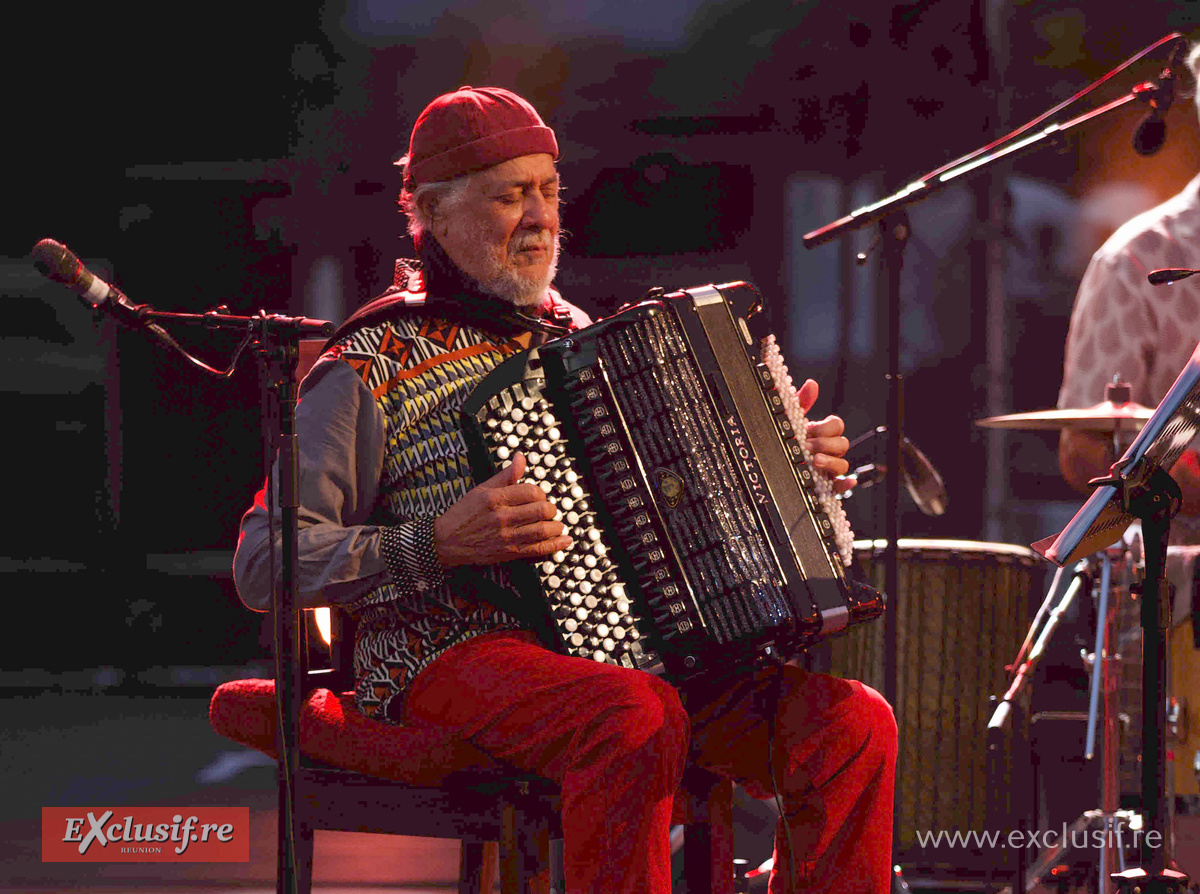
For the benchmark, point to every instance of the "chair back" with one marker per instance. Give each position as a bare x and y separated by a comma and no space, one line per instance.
329,664
310,350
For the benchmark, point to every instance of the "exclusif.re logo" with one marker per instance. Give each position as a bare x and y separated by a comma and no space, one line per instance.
145,834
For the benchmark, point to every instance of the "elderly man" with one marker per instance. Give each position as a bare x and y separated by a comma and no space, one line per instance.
394,530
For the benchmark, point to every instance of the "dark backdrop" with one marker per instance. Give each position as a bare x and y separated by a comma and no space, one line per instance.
215,159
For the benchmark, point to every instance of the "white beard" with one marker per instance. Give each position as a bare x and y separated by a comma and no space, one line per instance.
519,286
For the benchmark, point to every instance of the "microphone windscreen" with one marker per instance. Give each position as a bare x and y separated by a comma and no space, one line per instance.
55,261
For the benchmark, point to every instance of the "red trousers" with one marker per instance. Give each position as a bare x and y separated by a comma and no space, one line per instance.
616,741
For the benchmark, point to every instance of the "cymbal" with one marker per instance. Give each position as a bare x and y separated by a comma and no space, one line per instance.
1103,417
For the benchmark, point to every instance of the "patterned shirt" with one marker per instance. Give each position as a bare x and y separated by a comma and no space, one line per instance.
1122,325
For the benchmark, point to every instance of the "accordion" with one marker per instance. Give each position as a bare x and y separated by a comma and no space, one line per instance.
671,442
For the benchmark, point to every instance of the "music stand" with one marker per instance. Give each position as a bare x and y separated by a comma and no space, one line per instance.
1138,487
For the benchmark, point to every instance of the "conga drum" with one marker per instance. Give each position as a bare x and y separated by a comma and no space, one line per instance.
962,610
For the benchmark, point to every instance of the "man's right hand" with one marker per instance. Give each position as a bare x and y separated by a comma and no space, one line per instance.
499,520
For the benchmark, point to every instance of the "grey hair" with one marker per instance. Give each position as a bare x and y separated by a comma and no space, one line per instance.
427,201
1193,64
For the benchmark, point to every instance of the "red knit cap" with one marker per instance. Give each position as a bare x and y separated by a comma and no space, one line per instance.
471,129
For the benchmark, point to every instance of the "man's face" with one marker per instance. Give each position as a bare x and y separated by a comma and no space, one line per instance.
504,231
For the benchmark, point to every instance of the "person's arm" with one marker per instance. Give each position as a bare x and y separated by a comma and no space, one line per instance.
1082,456
1113,332
341,440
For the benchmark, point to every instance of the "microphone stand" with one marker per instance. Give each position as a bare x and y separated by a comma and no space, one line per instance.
275,339
891,217
1139,487
280,355
1154,500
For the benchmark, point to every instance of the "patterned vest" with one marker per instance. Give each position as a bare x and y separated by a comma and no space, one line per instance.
421,369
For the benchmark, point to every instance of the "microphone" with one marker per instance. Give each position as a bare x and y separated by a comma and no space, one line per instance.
57,262
1151,133
1168,275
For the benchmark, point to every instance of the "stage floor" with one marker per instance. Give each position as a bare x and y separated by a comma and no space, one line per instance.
100,750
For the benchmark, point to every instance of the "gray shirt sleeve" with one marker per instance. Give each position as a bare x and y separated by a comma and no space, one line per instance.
340,443
341,439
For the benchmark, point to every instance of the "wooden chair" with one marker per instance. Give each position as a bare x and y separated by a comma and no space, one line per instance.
356,774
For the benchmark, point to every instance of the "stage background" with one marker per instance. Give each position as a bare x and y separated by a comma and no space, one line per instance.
243,155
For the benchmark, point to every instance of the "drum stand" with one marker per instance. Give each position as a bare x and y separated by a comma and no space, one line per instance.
1139,487
1105,660
1152,498
1107,823
1063,591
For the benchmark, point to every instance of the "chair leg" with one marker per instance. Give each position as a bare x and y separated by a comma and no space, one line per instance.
558,871
293,874
510,853
708,838
491,865
476,874
304,860
524,853
537,857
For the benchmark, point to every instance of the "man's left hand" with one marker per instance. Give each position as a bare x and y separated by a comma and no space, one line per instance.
826,440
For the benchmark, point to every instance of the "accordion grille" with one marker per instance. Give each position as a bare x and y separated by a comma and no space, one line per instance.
712,528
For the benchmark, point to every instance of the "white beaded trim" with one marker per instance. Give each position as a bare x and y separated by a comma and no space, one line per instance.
827,498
